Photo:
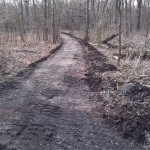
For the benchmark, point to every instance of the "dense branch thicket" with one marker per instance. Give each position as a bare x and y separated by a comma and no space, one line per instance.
24,20
104,14
40,18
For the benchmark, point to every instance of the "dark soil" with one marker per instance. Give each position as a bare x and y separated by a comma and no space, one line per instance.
13,82
71,81
128,112
51,93
98,64
51,108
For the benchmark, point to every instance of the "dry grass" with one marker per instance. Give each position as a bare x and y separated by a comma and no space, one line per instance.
136,65
14,58
132,117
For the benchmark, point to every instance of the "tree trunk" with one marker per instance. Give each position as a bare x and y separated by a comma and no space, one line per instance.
36,21
53,25
22,31
120,26
148,23
45,30
27,11
139,12
116,11
87,21
126,16
130,11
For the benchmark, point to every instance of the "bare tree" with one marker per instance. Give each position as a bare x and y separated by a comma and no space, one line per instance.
139,11
44,19
116,13
87,21
130,14
148,23
120,28
54,22
45,30
27,12
22,31
126,16
36,20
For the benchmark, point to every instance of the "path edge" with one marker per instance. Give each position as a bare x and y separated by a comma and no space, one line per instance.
27,71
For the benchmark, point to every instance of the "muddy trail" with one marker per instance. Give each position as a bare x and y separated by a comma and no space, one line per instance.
51,108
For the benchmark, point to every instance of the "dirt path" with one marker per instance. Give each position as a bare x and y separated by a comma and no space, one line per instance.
50,109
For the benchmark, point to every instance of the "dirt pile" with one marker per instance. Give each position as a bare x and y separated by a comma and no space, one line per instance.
97,63
132,117
135,91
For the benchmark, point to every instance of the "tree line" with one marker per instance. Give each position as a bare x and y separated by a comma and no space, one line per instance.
22,19
42,19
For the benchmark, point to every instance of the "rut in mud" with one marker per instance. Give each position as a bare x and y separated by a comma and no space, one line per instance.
51,109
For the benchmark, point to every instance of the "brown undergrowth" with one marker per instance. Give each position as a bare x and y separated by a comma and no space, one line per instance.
129,113
15,58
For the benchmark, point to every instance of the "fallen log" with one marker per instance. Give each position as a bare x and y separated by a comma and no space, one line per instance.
125,46
110,38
